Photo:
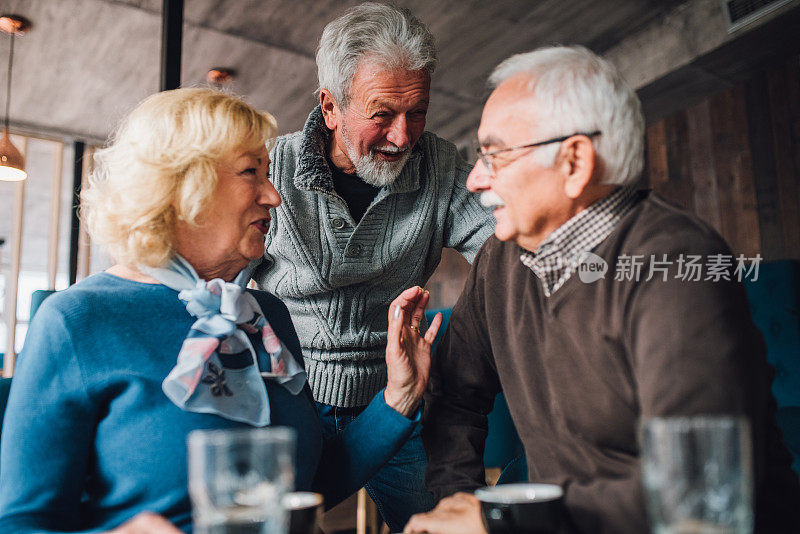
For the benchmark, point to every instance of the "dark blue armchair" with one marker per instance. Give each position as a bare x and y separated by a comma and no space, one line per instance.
774,302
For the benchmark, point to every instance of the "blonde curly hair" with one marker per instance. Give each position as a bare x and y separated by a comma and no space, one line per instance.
161,166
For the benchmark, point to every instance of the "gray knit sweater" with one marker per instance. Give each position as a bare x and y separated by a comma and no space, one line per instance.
338,277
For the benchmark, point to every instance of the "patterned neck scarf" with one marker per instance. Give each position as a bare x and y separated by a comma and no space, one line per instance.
227,317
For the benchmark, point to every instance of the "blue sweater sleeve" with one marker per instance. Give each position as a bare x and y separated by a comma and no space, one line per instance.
352,457
47,433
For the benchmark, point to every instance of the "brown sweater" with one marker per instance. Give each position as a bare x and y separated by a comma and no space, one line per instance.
579,370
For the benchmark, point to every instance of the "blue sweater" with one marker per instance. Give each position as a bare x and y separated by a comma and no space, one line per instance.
90,440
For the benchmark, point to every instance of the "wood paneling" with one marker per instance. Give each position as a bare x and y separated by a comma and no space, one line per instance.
783,83
761,143
657,165
734,159
679,180
701,165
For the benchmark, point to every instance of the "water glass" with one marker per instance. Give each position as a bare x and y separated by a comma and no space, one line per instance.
697,474
237,479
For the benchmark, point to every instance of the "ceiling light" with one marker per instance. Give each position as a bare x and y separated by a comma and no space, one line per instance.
220,76
12,163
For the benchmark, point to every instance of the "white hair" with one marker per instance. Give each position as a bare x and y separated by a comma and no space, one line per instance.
577,91
388,35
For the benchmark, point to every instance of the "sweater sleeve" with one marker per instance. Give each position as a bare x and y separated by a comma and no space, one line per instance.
461,393
352,457
47,433
468,224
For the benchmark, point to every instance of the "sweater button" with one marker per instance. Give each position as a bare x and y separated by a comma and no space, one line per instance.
353,250
338,223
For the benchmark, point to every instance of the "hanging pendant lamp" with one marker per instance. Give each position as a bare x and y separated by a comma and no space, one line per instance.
220,76
12,164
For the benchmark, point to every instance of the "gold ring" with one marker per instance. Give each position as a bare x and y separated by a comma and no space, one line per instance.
415,329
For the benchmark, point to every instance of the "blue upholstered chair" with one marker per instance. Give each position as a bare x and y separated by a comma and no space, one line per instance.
5,383
37,297
5,388
774,302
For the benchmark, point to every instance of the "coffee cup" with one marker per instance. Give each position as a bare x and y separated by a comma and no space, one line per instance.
304,509
522,508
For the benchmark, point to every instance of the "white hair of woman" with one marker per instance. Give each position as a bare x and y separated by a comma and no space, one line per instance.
577,91
388,35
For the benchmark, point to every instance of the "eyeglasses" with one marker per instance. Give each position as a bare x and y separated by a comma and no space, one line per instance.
487,157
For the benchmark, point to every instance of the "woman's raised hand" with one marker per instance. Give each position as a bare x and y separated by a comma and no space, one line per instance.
408,350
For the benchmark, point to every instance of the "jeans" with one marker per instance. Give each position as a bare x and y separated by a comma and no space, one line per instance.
398,489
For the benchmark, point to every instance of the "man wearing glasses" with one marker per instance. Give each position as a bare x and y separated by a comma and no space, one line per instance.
583,346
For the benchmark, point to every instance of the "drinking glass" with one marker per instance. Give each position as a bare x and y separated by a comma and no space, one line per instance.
697,474
237,479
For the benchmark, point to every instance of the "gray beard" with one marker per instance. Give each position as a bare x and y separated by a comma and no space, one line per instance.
372,170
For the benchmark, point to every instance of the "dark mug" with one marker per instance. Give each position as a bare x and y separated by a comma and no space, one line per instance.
522,508
304,509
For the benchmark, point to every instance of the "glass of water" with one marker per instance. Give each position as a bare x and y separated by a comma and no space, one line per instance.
697,474
237,479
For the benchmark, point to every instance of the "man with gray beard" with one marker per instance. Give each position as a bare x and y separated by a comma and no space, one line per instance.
369,201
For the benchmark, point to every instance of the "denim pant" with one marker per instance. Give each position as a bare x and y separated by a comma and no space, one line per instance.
398,489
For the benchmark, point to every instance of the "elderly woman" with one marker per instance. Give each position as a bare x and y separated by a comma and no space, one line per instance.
119,368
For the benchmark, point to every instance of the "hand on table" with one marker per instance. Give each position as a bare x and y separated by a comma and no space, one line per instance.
146,523
457,514
408,351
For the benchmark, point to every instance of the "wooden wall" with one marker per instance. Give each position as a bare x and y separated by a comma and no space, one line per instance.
734,159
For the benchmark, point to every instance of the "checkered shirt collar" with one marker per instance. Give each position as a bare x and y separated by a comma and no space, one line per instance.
556,258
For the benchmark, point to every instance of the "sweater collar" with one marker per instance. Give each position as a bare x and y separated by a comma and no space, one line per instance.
314,174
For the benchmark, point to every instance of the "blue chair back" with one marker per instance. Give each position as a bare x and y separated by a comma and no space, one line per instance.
774,302
515,471
37,297
5,388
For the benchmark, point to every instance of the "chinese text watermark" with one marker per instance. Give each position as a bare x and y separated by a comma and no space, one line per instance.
684,267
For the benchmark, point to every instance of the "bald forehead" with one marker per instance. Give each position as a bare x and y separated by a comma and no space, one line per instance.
516,90
510,106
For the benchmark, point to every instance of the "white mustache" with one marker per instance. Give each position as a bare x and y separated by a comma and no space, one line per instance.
389,149
490,199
